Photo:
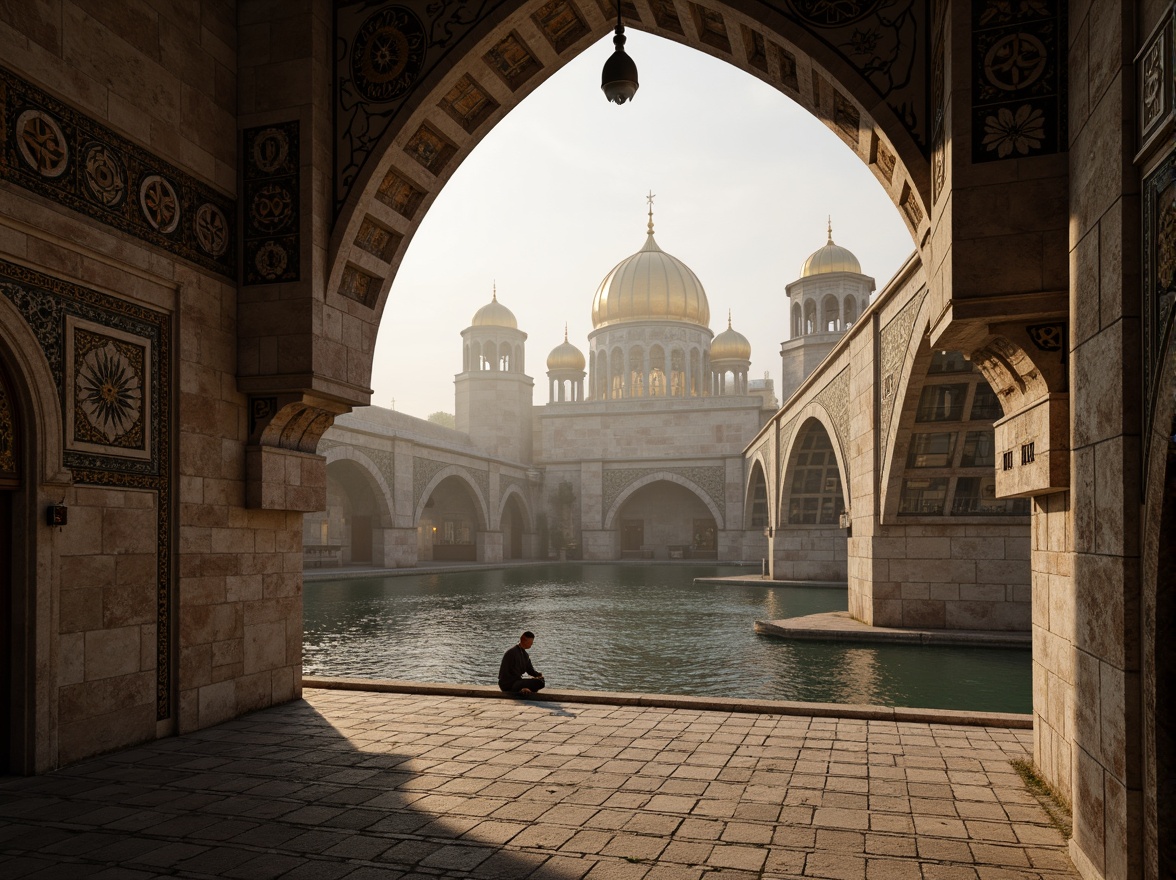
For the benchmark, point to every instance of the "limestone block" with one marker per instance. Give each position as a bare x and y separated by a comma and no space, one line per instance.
104,733
216,703
1038,440
284,479
71,667
112,652
927,614
90,699
81,610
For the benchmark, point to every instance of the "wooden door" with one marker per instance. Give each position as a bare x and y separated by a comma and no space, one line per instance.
632,536
361,539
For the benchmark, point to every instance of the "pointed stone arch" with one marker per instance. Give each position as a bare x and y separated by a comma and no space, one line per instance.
481,506
397,144
662,477
36,426
514,491
382,492
813,415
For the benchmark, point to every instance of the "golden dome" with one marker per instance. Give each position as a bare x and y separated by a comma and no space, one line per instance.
494,314
566,356
830,258
650,285
730,345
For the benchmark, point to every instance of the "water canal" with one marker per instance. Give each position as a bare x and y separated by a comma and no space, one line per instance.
636,628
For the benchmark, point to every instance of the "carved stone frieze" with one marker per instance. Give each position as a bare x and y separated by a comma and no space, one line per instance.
834,397
1159,279
893,343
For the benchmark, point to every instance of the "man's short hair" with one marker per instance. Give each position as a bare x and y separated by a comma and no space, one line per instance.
528,635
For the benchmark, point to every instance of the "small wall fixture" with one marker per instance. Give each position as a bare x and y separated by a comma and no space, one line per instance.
618,80
56,515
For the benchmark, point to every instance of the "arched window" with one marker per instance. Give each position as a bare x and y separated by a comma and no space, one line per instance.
830,314
797,326
815,496
636,372
850,311
617,381
810,317
678,373
657,372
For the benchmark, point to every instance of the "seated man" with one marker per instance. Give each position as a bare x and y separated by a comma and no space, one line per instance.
516,662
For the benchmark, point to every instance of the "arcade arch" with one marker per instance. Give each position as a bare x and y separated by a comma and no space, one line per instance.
352,529
450,517
809,541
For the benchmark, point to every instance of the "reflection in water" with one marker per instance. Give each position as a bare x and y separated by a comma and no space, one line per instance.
644,629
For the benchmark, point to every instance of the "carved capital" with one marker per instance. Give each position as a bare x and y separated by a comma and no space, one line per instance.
282,469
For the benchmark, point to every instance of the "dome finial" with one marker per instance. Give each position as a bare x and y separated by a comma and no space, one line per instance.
830,229
494,295
565,332
728,319
649,198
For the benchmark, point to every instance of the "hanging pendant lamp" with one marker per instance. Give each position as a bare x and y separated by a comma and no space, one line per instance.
618,80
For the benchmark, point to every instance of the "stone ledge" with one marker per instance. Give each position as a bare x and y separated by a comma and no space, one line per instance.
759,581
838,626
897,714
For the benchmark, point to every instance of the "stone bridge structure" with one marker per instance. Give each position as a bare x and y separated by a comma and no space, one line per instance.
204,204
879,470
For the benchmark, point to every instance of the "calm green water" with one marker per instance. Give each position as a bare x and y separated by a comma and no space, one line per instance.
646,629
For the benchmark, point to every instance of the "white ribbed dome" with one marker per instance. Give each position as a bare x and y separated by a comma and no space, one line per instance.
650,285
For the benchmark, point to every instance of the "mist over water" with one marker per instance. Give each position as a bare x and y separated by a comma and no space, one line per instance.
636,628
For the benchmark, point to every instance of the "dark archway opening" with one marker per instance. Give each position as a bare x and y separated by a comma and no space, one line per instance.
450,523
664,520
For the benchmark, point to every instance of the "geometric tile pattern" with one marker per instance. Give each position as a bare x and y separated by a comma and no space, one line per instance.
55,151
893,343
1159,279
834,397
1018,79
270,236
111,364
362,785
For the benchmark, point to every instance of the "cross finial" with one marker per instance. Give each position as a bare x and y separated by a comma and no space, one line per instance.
649,198
830,229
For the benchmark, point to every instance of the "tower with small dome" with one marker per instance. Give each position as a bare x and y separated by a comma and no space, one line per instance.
492,392
828,297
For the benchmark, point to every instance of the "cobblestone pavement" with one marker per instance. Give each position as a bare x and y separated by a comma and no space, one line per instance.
362,785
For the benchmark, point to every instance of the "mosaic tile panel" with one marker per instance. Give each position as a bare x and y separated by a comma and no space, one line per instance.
1156,78
51,149
710,27
884,41
789,77
560,23
271,235
756,49
786,431
400,195
712,480
377,240
431,149
94,342
846,117
468,104
359,286
1018,79
666,16
882,157
1159,279
513,61
9,461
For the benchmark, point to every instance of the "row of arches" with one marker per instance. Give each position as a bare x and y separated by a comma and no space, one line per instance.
493,356
834,315
647,372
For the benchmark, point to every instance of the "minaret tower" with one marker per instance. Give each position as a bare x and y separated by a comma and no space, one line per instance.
492,393
825,301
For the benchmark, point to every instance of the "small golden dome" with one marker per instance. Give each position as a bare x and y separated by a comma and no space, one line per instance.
730,345
650,285
566,356
830,258
494,314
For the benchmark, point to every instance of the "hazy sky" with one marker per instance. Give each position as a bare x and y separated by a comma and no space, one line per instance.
554,197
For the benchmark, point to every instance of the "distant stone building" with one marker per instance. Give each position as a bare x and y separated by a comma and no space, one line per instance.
637,454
